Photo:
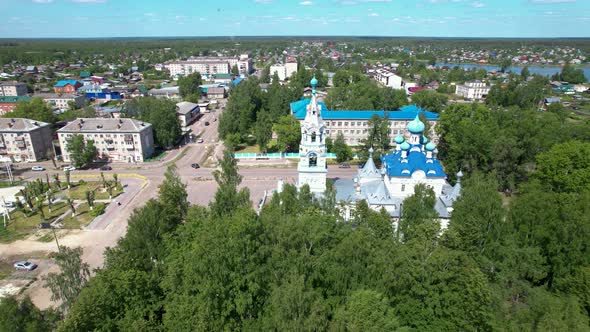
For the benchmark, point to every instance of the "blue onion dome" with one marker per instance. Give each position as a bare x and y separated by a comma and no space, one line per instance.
430,146
424,139
405,146
416,126
314,82
399,139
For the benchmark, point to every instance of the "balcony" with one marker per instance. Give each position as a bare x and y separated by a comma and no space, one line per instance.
21,145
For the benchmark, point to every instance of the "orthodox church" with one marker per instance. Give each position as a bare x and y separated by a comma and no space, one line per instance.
412,162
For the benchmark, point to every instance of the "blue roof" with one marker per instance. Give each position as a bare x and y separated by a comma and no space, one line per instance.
65,82
298,109
416,161
237,81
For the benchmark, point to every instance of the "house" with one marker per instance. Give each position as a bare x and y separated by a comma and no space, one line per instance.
122,140
85,74
187,113
139,91
217,92
8,103
13,88
24,140
171,92
222,78
61,101
67,86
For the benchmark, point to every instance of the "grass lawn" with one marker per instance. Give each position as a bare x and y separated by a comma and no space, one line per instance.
21,226
82,218
254,148
78,191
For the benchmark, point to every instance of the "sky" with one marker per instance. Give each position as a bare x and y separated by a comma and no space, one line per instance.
429,18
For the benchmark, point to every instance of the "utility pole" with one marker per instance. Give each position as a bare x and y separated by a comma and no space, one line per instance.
55,236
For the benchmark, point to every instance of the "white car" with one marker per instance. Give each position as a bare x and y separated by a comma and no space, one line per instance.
69,168
200,140
25,265
37,168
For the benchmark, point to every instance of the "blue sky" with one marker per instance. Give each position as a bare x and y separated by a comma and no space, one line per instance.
438,18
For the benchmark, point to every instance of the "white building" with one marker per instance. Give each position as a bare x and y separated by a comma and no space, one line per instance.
122,140
389,79
208,65
312,167
286,70
187,113
61,101
13,88
24,140
473,90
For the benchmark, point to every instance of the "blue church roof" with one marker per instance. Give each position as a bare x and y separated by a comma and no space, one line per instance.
298,109
416,161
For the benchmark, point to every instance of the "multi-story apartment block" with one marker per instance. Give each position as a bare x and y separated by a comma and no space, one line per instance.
121,140
389,79
354,125
61,101
473,90
13,88
208,65
24,140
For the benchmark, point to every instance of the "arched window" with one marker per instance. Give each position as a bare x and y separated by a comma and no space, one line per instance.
313,160
313,137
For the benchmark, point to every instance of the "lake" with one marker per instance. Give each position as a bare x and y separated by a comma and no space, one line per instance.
545,71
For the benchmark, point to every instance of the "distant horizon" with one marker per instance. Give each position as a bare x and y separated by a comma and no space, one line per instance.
379,18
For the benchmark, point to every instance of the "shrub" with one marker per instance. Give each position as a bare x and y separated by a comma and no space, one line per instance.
98,209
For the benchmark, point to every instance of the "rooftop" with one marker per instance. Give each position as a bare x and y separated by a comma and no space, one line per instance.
14,99
20,124
105,125
54,95
185,107
65,82
298,109
10,83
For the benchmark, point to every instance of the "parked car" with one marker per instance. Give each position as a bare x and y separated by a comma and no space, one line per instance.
37,168
69,168
25,265
9,204
106,168
344,166
195,165
206,123
200,140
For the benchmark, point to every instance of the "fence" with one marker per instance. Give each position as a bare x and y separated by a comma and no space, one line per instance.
274,155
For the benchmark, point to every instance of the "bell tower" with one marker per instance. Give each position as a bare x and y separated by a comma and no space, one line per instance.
312,166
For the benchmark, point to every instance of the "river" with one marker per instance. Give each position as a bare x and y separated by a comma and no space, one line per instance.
534,69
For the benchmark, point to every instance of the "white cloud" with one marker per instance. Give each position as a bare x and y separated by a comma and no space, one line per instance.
478,4
373,14
306,3
541,2
42,1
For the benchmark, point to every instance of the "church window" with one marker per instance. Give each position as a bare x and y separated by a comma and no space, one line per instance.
313,136
395,124
346,124
403,187
313,160
339,124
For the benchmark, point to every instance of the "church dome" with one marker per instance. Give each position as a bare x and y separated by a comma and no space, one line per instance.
430,146
399,139
424,139
314,82
405,146
416,126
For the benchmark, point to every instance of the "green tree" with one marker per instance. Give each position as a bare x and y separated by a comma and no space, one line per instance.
263,130
288,133
161,114
235,71
419,220
565,167
81,152
172,193
189,84
73,276
525,72
366,310
228,198
36,110
23,316
572,75
430,100
341,149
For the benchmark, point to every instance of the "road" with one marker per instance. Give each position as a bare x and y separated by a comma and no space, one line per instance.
142,183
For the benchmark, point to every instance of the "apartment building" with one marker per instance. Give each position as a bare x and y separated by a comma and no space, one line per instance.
354,125
24,140
208,65
13,88
187,113
119,140
61,101
473,90
389,79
